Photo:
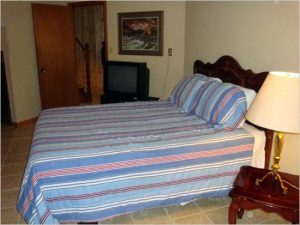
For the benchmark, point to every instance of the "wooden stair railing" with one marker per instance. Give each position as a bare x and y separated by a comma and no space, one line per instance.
86,50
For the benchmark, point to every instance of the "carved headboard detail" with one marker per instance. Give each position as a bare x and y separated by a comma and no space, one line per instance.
229,70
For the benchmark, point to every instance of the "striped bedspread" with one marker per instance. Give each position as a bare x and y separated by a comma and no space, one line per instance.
90,163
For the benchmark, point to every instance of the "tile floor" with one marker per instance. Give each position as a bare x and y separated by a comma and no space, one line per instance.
15,144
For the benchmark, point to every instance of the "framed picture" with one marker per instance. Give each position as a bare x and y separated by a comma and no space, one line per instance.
141,33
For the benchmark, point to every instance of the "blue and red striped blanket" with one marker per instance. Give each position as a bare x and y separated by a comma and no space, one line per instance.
90,163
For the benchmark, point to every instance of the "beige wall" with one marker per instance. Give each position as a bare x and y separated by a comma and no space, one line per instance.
263,36
290,154
19,51
174,33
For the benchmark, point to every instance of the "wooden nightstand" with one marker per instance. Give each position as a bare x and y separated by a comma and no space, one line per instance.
247,195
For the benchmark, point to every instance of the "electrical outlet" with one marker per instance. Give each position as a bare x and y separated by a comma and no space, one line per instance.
170,51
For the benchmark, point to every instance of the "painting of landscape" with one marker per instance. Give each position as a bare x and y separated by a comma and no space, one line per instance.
140,33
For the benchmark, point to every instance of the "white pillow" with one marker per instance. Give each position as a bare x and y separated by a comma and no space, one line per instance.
250,95
214,78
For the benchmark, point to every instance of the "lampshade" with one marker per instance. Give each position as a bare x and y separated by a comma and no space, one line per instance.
276,105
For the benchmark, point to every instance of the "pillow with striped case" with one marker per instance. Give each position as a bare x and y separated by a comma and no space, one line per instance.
185,91
220,104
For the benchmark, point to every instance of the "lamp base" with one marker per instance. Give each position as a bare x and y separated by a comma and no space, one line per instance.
276,176
275,167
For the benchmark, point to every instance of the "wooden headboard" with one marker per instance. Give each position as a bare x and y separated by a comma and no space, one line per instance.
229,70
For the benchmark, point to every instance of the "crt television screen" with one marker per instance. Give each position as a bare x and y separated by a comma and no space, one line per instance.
122,78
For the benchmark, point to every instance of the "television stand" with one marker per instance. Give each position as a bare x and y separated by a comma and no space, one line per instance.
109,98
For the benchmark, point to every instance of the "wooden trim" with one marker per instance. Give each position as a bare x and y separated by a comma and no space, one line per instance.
24,122
105,29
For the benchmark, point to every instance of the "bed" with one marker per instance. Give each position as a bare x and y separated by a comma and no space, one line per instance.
91,163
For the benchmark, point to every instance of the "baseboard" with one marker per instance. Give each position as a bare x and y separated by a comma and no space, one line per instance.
24,122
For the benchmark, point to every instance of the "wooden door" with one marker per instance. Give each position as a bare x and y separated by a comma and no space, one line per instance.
56,59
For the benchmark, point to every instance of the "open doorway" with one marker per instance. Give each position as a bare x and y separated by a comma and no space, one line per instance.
89,19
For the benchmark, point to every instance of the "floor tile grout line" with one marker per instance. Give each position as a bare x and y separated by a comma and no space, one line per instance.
156,222
166,211
15,164
210,210
19,219
9,207
192,214
171,218
222,206
6,154
267,220
195,203
211,221
20,138
131,217
11,189
13,175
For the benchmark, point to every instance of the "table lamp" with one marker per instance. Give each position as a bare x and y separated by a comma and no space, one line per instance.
276,107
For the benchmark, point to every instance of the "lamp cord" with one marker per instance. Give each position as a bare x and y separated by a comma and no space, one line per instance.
290,184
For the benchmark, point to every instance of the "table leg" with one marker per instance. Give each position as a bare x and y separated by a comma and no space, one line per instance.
233,211
240,213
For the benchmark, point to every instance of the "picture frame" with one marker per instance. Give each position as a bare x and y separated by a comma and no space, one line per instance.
141,33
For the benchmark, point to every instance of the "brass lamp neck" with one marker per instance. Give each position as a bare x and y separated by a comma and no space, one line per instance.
278,150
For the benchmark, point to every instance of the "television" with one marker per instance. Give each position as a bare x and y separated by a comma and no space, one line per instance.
126,78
